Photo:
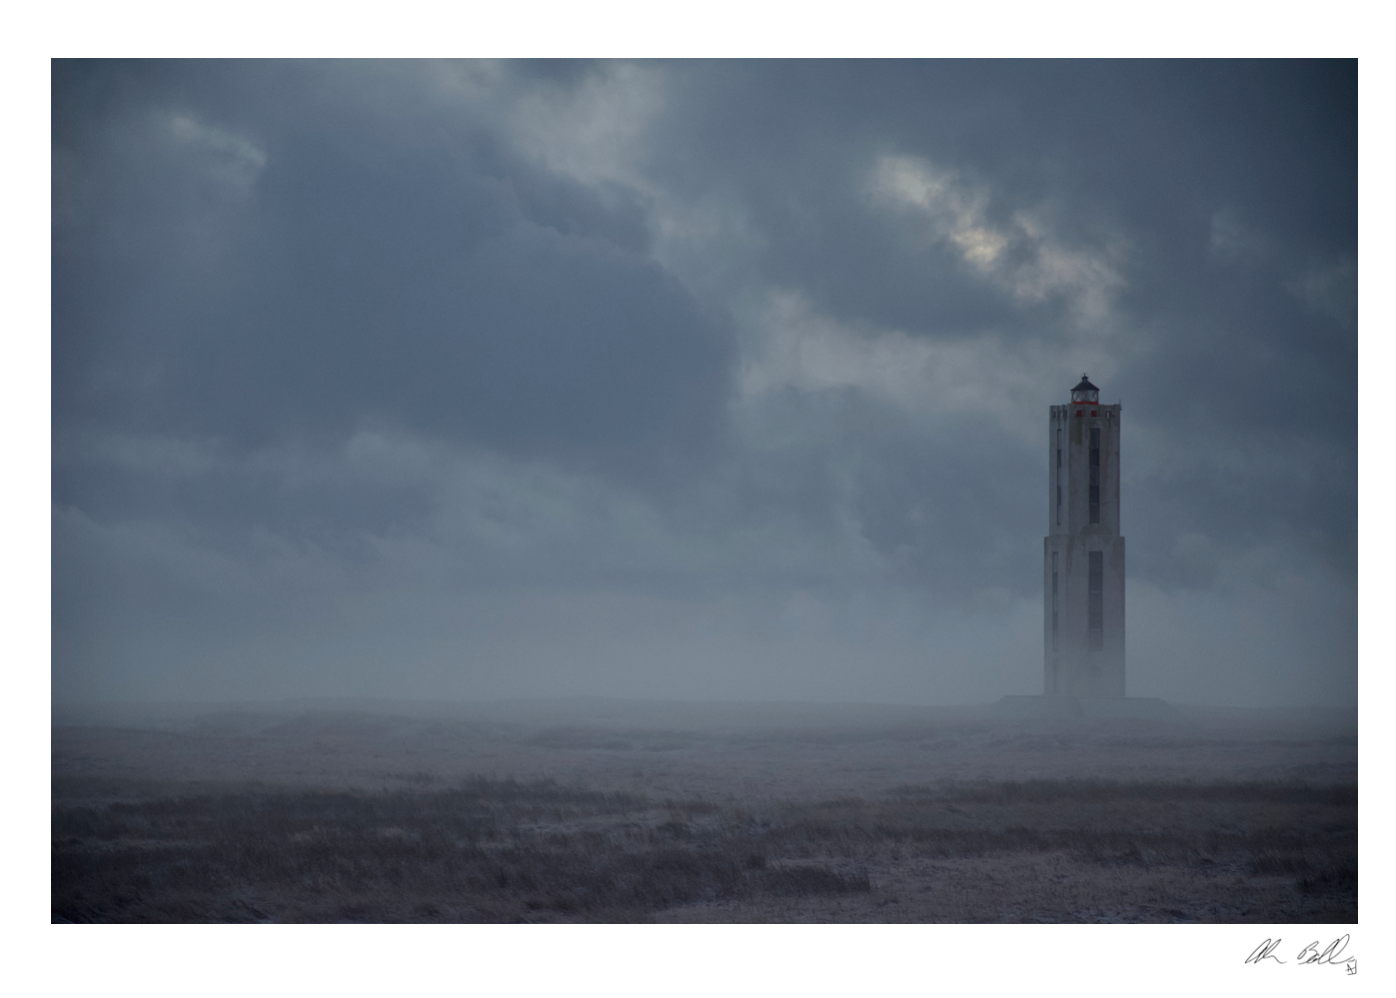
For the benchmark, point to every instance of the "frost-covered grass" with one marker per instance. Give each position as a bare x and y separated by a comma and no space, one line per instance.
496,850
359,818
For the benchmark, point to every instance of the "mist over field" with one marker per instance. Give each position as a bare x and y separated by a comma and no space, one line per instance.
614,491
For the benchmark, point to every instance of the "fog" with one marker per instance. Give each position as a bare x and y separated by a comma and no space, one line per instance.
692,380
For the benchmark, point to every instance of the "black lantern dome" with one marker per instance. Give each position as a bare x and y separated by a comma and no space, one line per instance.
1085,392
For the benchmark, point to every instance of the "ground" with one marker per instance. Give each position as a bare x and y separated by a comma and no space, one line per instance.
619,811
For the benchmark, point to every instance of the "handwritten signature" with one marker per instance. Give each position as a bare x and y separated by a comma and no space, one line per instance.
1310,954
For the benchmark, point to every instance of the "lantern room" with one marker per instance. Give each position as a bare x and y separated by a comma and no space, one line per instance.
1085,393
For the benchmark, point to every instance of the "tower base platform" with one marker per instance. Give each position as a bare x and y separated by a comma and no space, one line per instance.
1147,708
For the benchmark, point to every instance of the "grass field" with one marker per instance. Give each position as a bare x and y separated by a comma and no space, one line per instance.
598,811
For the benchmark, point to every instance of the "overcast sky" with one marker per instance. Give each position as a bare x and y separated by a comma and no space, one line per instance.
701,380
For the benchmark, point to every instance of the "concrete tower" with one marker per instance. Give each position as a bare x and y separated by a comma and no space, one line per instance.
1083,553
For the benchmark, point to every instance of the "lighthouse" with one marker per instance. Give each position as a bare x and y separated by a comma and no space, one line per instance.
1083,553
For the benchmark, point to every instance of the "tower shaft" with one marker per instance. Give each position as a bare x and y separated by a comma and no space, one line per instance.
1083,552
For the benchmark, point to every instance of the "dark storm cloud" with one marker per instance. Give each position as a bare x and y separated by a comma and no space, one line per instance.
364,265
1233,185
488,367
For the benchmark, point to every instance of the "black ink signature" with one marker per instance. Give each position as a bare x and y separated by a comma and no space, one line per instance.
1265,951
1311,953
1329,954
